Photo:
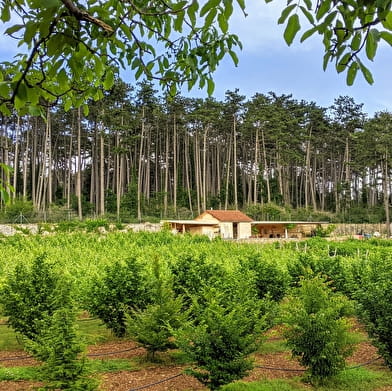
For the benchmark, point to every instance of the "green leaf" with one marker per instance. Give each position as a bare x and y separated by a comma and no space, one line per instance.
223,25
86,110
33,96
241,3
210,86
386,36
326,59
308,33
139,72
5,110
292,29
285,13
387,23
329,19
4,89
179,21
191,11
21,93
5,14
371,44
67,105
352,73
308,15
366,73
234,57
211,4
19,103
228,8
356,41
30,31
35,111
109,80
342,64
14,29
210,17
323,8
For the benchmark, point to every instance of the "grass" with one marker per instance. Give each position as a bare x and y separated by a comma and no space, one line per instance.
359,379
266,385
273,346
8,339
93,366
93,332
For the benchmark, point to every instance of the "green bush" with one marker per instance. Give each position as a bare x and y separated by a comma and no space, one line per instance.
59,347
310,264
222,336
191,272
271,280
92,225
317,332
29,296
69,226
19,210
153,326
374,295
122,287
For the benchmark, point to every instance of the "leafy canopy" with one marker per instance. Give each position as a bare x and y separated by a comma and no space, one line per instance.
72,50
347,28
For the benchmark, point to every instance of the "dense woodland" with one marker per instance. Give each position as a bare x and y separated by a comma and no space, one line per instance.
137,154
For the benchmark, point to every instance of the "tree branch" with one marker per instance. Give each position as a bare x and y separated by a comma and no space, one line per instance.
84,15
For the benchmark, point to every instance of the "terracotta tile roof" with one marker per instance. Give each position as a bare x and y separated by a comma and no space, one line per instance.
234,216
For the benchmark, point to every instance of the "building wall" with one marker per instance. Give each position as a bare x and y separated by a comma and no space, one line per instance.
244,230
226,230
206,217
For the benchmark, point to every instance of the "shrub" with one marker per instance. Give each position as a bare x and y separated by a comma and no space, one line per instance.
271,280
222,336
317,332
29,296
374,296
153,326
60,349
191,272
92,225
19,211
312,264
121,288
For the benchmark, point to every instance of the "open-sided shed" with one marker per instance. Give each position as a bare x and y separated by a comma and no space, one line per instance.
284,229
233,224
228,224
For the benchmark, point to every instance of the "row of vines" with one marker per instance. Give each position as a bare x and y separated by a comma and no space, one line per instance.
213,300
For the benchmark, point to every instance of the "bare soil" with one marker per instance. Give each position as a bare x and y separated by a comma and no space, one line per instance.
170,377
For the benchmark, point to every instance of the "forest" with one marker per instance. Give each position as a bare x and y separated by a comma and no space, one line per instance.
139,155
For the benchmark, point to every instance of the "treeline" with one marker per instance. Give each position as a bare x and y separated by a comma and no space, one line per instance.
136,154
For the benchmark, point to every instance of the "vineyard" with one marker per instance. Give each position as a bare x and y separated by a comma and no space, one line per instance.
130,311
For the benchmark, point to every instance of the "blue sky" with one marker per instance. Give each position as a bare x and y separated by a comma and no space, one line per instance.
268,64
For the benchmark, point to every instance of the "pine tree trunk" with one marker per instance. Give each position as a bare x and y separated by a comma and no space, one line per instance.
16,157
235,162
256,166
139,172
79,167
174,165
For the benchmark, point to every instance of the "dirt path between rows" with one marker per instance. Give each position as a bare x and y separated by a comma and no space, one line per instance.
170,377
